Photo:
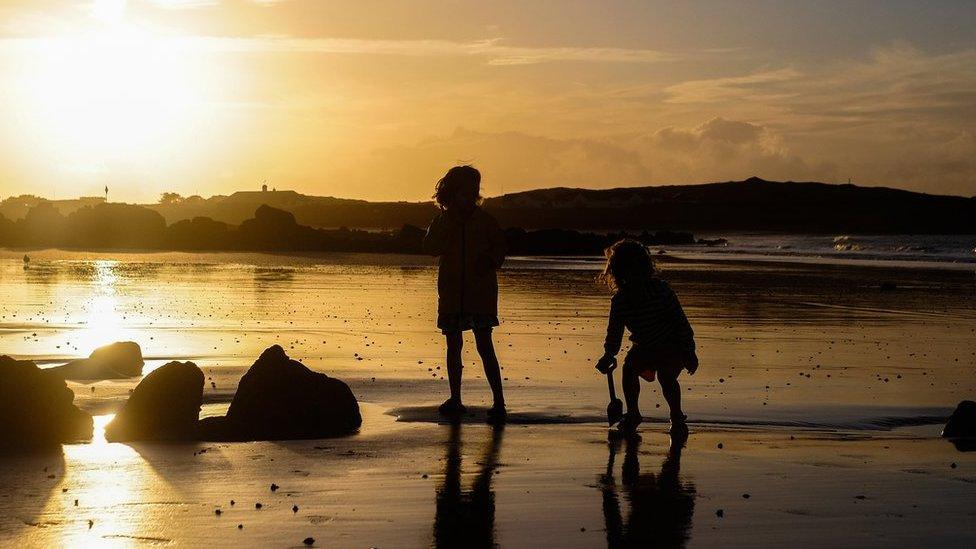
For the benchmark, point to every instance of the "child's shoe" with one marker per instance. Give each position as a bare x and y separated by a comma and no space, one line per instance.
679,424
630,422
497,414
451,407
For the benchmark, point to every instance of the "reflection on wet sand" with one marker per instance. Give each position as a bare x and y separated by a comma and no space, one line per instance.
466,518
661,505
109,490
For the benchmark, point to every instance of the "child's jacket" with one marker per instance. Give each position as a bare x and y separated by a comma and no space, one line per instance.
462,287
653,315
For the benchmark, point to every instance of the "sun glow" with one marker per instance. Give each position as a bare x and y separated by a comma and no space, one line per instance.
114,90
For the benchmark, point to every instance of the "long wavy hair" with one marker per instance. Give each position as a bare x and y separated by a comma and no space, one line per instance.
628,261
453,181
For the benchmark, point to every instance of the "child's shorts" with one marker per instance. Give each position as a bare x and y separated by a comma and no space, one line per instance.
649,360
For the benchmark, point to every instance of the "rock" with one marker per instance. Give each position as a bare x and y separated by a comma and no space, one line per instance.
118,360
164,406
962,422
37,409
281,399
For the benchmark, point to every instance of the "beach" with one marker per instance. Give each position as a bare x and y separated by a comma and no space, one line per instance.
815,415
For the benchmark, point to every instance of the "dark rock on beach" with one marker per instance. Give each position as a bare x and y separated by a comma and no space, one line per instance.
962,422
281,399
36,408
164,406
118,360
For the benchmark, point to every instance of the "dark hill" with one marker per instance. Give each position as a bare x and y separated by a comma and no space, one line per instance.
750,205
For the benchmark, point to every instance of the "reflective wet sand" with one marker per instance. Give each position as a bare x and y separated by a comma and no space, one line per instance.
857,376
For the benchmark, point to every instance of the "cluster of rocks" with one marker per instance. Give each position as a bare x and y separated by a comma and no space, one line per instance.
277,399
37,409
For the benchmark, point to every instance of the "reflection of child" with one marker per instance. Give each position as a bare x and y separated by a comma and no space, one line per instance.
663,341
471,247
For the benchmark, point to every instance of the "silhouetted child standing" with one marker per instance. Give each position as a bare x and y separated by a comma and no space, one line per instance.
663,341
471,247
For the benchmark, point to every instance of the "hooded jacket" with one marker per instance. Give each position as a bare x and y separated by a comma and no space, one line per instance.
465,284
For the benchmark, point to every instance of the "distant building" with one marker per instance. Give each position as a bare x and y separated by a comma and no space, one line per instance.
264,188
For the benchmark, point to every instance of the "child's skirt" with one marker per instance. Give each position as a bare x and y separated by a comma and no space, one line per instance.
648,360
449,322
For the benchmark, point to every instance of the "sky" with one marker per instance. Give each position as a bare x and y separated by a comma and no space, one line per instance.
376,99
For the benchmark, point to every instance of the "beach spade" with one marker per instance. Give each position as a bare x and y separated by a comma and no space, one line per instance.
615,410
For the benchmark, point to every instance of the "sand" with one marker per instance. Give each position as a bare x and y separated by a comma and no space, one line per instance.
825,392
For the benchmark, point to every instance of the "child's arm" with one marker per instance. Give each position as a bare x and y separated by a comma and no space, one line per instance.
615,336
437,239
497,247
683,332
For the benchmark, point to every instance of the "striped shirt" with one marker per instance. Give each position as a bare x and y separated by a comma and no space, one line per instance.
652,314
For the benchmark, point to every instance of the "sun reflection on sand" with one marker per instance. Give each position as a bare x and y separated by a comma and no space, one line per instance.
112,485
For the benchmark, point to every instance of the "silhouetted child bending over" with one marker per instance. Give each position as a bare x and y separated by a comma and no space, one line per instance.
663,341
471,247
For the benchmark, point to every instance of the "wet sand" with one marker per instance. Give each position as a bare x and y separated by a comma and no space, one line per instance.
825,392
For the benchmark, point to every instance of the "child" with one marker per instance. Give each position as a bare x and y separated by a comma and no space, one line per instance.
663,342
471,247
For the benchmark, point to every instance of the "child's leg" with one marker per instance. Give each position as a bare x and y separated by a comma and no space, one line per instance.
454,366
631,383
668,378
493,373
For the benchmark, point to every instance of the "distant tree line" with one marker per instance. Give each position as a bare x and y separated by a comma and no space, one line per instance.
127,226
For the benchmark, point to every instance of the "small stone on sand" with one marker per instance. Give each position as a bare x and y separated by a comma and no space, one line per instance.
308,541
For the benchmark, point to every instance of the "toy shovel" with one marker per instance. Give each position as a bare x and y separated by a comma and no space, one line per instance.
615,410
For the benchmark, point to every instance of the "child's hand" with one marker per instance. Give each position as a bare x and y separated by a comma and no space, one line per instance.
692,366
606,364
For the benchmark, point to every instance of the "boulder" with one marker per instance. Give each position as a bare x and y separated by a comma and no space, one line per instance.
118,360
164,406
962,422
36,408
281,399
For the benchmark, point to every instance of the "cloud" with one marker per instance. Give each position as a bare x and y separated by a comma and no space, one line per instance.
898,116
510,161
722,149
494,51
753,86
892,83
716,150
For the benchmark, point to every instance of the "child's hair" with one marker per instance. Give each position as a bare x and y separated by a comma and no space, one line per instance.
627,261
453,181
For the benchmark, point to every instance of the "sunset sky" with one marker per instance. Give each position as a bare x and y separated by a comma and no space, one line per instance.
372,99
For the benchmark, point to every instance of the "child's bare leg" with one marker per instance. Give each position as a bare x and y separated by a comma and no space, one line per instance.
672,391
631,383
454,366
489,360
